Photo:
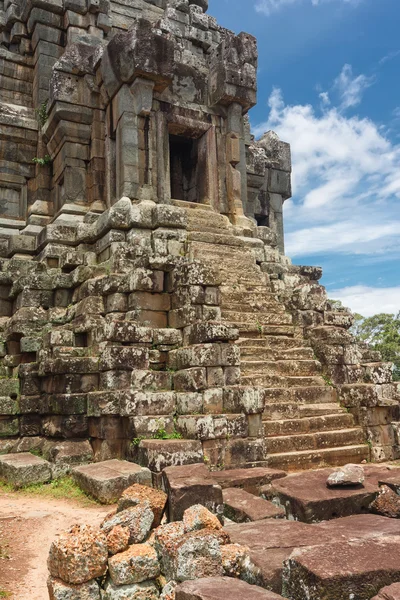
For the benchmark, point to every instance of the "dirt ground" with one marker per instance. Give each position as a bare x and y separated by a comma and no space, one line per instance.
28,525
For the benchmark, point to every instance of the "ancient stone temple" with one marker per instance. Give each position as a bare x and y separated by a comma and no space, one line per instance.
148,310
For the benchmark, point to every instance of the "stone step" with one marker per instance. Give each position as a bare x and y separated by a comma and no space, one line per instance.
301,395
251,329
251,306
257,318
268,343
190,206
267,381
260,354
286,427
315,441
218,238
280,367
312,459
277,411
269,305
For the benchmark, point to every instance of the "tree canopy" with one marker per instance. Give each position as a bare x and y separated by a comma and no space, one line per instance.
381,332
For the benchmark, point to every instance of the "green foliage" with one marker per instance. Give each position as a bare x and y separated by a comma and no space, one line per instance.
42,162
41,114
4,594
161,434
382,332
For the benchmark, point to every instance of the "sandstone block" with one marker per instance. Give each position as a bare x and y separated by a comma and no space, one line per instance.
107,480
59,590
234,559
387,503
198,555
189,485
198,517
220,588
23,469
391,592
118,539
135,494
241,507
138,519
137,564
79,555
357,570
136,591
307,498
159,454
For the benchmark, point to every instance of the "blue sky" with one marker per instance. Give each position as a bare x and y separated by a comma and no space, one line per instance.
329,84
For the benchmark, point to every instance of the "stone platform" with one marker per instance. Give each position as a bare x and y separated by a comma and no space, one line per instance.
273,542
306,497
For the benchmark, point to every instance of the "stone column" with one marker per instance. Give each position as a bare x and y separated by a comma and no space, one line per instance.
131,109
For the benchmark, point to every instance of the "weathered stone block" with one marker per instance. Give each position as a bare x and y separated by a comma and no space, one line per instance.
106,481
23,469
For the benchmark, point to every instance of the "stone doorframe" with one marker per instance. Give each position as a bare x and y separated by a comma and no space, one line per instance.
172,122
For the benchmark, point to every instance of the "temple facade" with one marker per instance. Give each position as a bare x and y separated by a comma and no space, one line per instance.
147,308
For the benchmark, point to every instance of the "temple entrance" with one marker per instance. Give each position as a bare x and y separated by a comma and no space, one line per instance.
184,158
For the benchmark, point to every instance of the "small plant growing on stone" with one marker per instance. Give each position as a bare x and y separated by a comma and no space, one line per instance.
327,380
41,114
42,162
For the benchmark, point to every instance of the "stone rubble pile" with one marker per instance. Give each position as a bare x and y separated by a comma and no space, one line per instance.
131,555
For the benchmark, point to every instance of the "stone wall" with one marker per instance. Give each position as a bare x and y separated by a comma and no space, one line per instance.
110,330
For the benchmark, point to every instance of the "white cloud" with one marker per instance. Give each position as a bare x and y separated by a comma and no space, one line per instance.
346,181
351,88
270,6
369,301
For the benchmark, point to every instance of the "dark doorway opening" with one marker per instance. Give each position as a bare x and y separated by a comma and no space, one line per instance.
184,168
262,220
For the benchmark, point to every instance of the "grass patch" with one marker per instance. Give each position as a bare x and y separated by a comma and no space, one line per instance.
60,489
4,594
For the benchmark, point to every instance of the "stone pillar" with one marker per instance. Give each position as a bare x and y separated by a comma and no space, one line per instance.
233,158
131,111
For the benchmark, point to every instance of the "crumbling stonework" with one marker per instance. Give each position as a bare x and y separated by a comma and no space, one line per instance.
146,302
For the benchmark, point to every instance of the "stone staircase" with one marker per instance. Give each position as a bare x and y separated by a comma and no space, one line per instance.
303,423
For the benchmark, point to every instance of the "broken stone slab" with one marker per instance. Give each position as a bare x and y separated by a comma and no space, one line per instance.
387,503
23,469
348,475
391,592
271,542
356,570
79,555
306,497
188,485
107,480
250,480
241,507
59,590
221,588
